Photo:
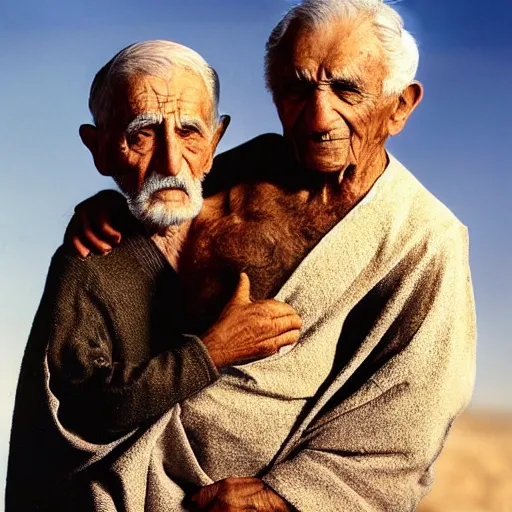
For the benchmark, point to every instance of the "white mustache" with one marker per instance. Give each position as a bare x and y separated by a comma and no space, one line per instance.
154,183
142,206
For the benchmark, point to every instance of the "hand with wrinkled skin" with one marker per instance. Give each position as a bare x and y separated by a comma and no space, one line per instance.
247,330
97,223
238,495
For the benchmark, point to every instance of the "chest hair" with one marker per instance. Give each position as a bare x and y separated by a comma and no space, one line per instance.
256,228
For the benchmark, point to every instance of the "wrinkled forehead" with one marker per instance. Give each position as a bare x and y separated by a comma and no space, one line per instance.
182,93
346,48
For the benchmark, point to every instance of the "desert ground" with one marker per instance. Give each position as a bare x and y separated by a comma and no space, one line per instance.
474,472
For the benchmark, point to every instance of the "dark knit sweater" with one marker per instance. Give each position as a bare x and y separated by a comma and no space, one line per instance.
109,328
115,356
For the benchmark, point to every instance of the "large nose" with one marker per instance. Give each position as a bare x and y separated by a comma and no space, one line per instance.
320,114
169,154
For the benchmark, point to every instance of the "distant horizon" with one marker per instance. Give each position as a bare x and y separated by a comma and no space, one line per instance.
488,412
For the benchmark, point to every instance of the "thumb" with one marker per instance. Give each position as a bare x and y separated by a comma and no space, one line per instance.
242,293
205,495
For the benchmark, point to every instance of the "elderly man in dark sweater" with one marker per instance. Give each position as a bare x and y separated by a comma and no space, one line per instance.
107,341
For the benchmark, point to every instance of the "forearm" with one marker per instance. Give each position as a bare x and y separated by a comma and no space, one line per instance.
102,366
121,397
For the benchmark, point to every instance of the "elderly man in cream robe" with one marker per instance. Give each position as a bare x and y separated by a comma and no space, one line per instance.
354,416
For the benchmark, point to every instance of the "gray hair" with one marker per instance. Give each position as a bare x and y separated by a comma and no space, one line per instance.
399,46
151,58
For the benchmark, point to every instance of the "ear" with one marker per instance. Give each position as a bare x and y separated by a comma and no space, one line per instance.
220,131
407,102
91,138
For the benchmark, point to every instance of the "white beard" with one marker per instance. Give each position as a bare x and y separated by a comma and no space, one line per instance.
156,213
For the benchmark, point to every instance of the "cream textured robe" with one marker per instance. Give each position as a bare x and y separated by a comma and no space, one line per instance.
385,363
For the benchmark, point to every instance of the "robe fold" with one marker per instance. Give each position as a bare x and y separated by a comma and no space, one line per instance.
352,417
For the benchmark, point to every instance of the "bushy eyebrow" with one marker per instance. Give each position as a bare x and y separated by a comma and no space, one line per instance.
156,118
303,75
341,80
193,122
143,120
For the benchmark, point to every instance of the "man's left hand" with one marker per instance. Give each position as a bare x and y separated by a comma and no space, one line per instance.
237,495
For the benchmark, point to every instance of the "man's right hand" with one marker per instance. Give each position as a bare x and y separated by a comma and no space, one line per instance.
247,330
97,223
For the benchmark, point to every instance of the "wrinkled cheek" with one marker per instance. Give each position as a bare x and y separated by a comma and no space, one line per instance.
357,141
128,181
359,125
131,173
290,116
198,163
363,145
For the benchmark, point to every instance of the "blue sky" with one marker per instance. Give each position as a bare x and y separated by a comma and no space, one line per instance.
457,143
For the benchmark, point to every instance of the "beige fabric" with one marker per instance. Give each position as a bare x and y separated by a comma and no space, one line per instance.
393,278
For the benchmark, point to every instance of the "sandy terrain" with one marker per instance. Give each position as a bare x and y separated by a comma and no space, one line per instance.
474,472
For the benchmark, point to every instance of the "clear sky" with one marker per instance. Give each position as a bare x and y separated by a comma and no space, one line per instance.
457,143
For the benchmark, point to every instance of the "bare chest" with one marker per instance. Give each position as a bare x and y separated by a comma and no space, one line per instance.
258,229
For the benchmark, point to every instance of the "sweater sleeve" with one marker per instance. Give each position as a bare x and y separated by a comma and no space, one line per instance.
101,398
374,449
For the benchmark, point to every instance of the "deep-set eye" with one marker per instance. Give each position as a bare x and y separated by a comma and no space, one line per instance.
140,137
133,138
298,88
188,130
346,90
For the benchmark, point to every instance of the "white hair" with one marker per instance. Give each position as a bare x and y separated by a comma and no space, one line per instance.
399,46
149,58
